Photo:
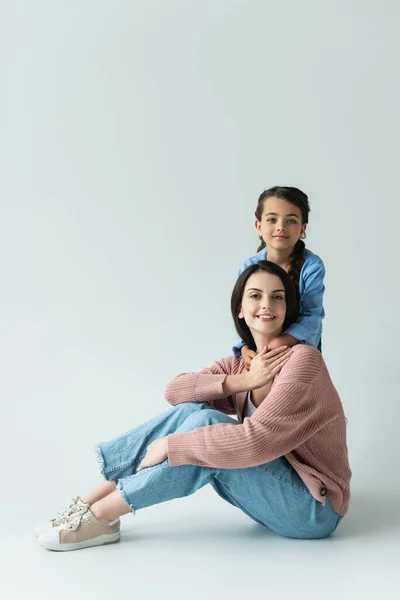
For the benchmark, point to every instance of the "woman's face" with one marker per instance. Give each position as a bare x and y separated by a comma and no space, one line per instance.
263,304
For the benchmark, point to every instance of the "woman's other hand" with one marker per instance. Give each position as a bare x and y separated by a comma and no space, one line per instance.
156,453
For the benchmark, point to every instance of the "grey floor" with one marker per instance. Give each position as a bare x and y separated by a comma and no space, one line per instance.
200,546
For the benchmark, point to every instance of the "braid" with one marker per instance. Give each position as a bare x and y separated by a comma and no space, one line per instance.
262,244
296,264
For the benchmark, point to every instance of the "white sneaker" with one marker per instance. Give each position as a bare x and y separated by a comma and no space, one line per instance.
62,515
80,530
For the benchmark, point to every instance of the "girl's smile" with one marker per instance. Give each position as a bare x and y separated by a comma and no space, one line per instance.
281,224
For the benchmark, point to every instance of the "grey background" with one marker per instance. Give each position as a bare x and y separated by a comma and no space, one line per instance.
135,140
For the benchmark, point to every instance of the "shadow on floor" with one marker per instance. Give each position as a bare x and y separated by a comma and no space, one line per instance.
369,515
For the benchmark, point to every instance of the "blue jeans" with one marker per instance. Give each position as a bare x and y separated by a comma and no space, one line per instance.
271,494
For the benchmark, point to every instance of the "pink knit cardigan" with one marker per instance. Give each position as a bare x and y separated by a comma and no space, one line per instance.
302,419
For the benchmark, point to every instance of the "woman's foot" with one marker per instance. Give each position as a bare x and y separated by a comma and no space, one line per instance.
81,529
63,514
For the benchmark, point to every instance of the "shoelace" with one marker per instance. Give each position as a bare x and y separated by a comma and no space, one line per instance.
72,521
64,512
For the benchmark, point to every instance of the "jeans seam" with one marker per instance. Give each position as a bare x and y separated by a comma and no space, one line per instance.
124,465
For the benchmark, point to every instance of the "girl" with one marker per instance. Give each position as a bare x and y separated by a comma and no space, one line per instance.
281,222
284,464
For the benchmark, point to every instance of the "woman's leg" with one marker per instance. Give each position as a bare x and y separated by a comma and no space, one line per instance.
120,456
274,495
110,507
271,494
84,527
125,452
105,488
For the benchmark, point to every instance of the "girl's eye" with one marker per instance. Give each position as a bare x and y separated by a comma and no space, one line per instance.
271,220
292,221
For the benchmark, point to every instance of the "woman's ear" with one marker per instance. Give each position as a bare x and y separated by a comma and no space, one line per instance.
240,315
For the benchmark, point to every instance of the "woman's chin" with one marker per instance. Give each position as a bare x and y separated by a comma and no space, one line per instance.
266,331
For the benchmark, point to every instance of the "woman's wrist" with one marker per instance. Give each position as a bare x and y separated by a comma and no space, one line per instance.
250,385
234,384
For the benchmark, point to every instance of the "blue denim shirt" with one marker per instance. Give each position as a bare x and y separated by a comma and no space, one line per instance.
308,327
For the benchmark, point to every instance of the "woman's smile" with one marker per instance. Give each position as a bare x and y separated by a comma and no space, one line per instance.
265,317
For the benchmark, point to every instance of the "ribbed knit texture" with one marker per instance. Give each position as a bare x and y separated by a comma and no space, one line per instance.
302,419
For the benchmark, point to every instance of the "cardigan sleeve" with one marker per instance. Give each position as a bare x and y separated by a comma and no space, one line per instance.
205,386
286,419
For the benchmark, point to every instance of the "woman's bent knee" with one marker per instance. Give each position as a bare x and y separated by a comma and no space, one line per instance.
190,407
207,416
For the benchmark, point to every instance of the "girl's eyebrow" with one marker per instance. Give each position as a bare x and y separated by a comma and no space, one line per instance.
289,215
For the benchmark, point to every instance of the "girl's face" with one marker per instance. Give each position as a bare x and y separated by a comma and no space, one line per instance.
263,305
281,224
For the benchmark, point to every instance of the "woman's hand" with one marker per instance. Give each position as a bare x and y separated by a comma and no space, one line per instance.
266,365
247,356
156,453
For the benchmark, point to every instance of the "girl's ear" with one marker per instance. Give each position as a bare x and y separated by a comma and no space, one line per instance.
257,225
303,228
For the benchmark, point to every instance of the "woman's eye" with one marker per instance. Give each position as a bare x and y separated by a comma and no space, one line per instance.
254,296
277,297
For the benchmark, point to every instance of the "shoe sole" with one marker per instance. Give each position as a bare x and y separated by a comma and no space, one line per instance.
101,540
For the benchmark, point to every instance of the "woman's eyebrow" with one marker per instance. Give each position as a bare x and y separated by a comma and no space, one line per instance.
262,292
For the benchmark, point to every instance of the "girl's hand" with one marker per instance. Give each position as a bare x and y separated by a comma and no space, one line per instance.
248,356
266,365
156,453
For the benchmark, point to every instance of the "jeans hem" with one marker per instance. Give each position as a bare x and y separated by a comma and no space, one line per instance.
125,497
100,460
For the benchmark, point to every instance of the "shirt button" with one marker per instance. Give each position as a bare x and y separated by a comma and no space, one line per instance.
323,491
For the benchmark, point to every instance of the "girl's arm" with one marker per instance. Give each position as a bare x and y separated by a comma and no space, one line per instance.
308,327
237,347
283,340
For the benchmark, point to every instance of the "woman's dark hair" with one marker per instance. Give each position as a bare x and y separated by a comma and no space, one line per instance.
299,199
237,296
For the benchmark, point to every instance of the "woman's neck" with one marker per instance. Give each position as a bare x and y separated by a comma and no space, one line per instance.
264,340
